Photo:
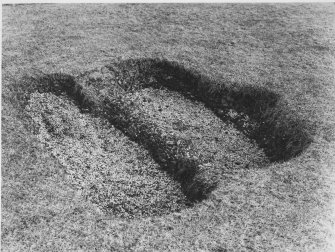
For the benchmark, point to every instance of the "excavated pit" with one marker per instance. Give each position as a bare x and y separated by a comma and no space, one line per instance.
149,137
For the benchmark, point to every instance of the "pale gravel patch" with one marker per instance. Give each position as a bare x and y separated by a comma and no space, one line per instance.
101,162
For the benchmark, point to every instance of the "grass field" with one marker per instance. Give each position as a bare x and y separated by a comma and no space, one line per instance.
246,50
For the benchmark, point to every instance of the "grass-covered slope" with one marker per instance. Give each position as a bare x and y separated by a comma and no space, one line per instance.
280,131
286,50
125,184
186,138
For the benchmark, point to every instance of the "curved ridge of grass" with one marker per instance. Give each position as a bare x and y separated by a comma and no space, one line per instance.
279,131
196,183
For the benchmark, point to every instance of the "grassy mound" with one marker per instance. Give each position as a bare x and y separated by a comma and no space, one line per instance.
115,91
186,138
122,183
276,127
280,132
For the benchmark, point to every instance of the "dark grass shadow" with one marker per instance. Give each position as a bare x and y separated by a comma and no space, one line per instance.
280,131
277,129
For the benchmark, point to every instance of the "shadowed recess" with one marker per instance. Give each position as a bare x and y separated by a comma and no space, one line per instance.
112,93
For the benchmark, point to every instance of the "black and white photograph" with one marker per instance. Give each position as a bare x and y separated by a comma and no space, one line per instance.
168,126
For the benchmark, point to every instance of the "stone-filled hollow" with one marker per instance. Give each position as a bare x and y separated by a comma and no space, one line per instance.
192,153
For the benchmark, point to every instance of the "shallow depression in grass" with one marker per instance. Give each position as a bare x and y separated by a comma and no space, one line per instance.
149,137
183,135
117,174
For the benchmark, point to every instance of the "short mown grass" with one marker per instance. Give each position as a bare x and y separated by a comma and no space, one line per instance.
276,129
271,62
182,156
281,132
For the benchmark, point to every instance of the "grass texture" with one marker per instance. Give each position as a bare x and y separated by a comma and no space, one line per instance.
267,69
186,139
124,184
